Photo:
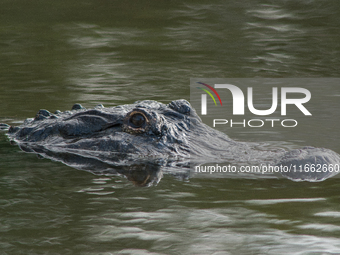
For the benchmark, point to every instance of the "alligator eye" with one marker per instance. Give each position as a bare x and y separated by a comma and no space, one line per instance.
137,120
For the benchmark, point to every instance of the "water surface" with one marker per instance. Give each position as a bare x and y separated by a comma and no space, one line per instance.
57,53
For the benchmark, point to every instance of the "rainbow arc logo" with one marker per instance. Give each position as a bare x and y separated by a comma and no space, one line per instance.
204,97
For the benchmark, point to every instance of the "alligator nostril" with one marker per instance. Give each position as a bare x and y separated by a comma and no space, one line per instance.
137,120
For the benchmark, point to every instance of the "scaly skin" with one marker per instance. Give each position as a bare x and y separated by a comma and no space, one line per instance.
149,133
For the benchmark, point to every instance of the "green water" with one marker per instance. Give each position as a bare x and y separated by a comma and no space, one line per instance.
57,53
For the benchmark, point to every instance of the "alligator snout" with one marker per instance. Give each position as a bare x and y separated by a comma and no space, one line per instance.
309,163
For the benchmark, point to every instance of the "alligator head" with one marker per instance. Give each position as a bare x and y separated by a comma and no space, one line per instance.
144,134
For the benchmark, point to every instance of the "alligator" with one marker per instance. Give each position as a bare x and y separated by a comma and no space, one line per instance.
139,139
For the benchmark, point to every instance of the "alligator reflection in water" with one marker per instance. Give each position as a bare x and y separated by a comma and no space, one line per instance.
140,174
138,139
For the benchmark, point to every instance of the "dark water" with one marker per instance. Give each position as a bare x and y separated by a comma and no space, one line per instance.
56,53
